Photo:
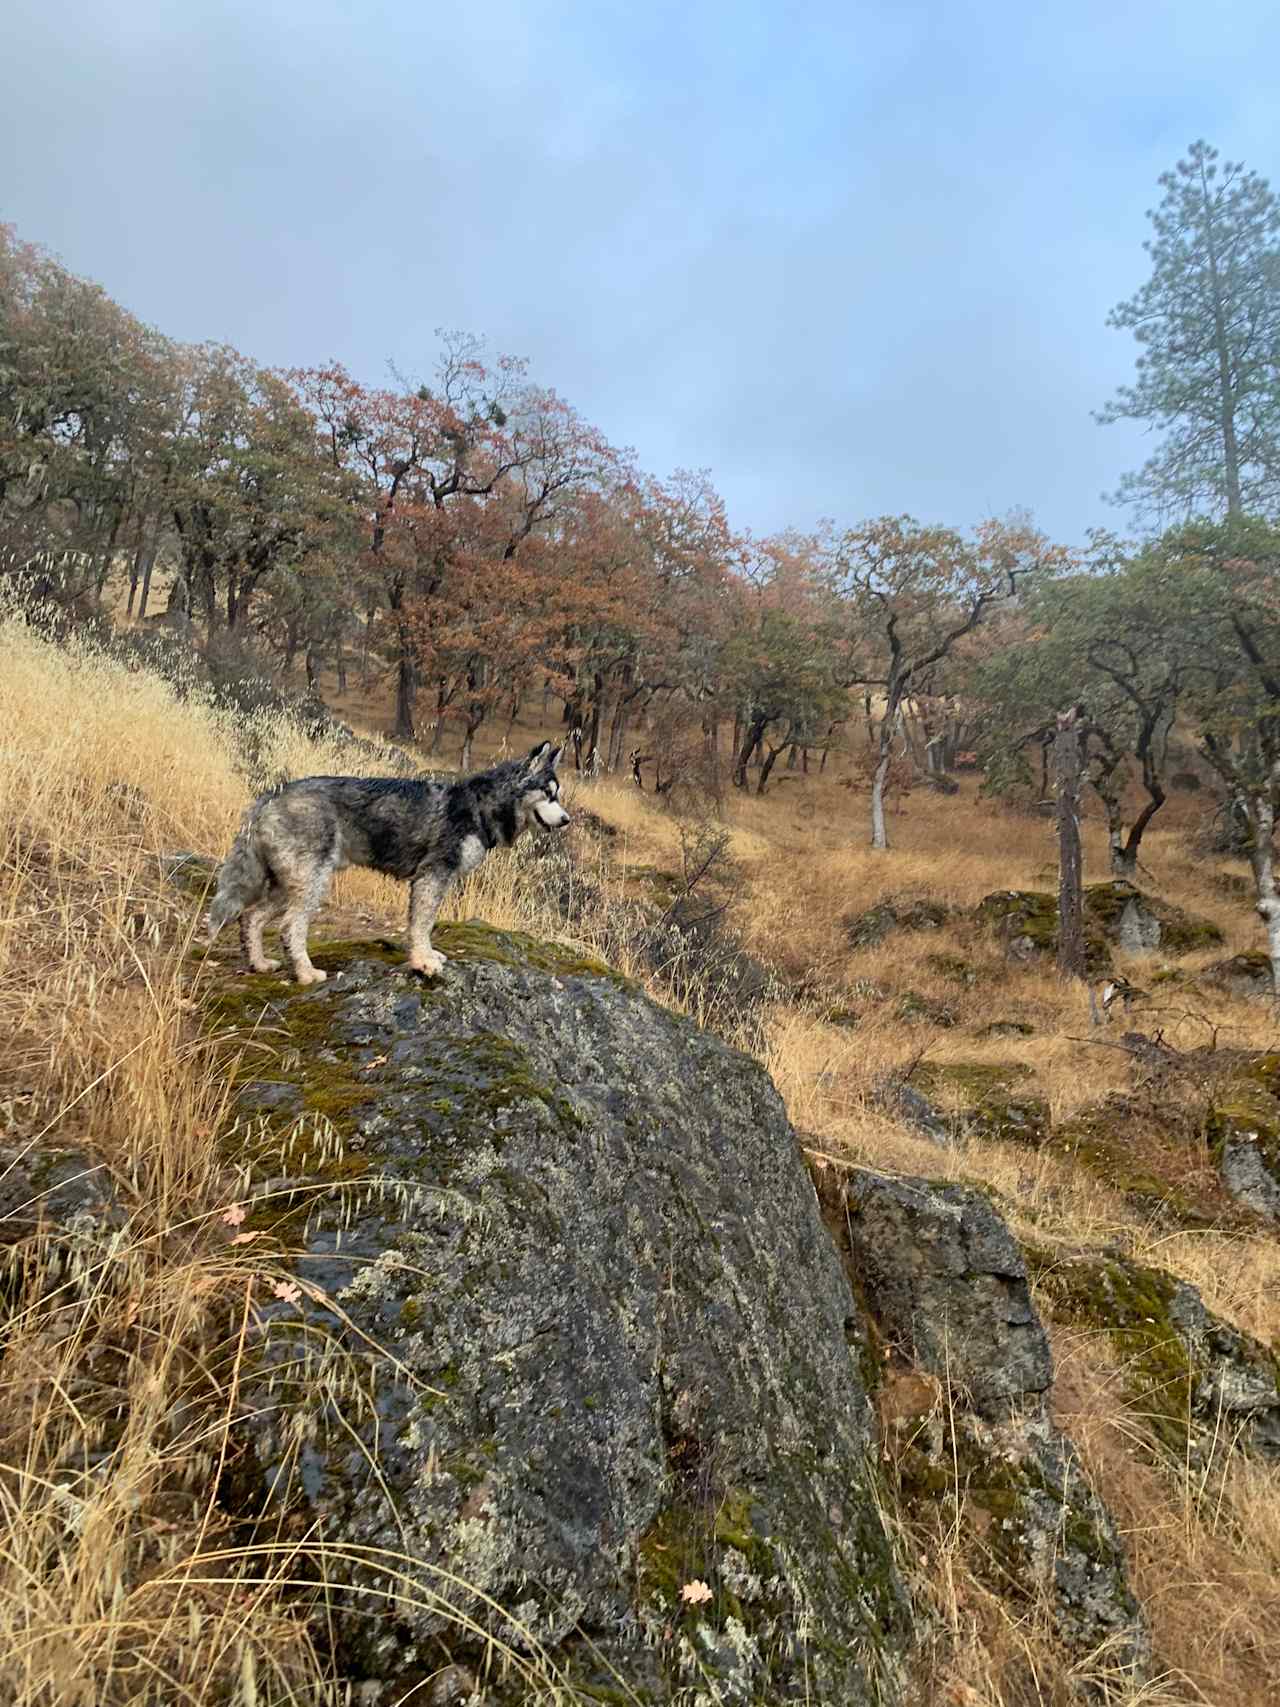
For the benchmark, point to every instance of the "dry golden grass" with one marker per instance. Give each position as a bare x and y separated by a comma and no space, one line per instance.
124,1579
1203,1548
1203,1556
120,1579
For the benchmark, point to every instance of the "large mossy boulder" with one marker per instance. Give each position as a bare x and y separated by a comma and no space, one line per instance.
1138,923
1247,974
1147,1148
571,1336
946,1281
1116,914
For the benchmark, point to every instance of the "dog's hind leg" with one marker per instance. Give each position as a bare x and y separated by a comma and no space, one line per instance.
305,897
426,892
253,922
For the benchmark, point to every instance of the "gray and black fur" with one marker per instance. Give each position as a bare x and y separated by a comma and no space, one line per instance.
428,833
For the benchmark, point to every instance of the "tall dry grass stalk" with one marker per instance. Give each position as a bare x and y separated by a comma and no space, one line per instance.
130,1570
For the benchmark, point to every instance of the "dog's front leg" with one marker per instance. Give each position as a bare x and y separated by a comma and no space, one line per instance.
426,892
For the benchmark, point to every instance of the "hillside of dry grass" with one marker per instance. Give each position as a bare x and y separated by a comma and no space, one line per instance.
125,1575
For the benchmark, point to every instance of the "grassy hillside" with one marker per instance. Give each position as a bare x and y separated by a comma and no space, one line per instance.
123,1571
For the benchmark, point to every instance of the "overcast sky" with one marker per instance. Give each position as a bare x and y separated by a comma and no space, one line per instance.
851,258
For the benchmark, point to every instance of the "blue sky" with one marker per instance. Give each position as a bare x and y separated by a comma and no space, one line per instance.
850,258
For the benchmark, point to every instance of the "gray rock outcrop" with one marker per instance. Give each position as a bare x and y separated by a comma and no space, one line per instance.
947,1289
944,1278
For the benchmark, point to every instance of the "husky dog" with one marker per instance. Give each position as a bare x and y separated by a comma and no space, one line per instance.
293,840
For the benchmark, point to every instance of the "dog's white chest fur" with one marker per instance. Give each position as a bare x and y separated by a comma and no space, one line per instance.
471,852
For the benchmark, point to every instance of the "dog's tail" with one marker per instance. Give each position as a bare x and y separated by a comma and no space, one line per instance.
243,878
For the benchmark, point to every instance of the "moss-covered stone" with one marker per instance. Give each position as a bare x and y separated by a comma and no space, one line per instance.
1193,1381
986,1099
945,1285
1141,923
1243,1132
912,1006
1028,1522
953,966
471,941
1141,1156
1026,921
1116,913
894,913
1247,974
1007,1028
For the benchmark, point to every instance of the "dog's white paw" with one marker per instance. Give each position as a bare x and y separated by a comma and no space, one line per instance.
265,966
429,962
313,975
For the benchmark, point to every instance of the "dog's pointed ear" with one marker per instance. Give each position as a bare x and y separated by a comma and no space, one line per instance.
537,755
554,760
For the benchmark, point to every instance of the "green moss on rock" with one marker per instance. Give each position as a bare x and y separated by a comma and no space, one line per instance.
953,966
1194,1382
1106,1138
1131,1304
1030,1525
1114,913
563,1210
1247,974
987,1098
911,1005
894,913
471,941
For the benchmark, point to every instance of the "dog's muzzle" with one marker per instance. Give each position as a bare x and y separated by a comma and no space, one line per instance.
551,816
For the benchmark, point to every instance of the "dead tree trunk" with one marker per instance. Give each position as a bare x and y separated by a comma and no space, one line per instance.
1262,825
1068,765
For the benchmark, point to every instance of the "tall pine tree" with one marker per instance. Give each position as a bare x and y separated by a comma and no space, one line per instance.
1208,321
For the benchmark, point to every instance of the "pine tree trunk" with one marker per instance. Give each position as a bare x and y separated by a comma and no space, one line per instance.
1222,349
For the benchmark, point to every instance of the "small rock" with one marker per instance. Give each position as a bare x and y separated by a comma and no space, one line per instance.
894,913
1243,975
449,1687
